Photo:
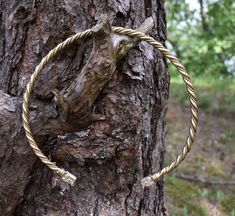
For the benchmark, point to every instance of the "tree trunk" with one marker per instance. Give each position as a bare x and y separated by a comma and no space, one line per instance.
108,157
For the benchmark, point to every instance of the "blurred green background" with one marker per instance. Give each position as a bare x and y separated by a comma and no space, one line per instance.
201,33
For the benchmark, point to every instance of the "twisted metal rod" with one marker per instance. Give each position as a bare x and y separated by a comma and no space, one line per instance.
149,180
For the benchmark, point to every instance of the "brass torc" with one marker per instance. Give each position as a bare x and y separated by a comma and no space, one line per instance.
146,181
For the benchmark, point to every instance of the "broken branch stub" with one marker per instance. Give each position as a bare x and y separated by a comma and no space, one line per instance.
76,101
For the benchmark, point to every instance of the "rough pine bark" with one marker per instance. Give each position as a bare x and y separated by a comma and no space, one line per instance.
108,157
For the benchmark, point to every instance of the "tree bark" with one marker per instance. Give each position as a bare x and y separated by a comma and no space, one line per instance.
108,157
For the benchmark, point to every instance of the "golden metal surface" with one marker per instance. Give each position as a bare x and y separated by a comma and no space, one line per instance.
149,180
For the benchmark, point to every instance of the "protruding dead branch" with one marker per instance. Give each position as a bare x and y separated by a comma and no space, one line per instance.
76,101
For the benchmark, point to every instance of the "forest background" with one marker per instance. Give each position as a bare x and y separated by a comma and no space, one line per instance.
202,34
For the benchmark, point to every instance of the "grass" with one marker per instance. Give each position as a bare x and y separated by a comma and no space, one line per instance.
189,199
184,197
228,205
214,94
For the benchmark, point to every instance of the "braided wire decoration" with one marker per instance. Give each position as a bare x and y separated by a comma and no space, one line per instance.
149,180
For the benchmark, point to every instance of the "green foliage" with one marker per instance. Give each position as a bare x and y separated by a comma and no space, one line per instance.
205,45
228,205
233,212
184,196
219,195
188,198
202,192
213,94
